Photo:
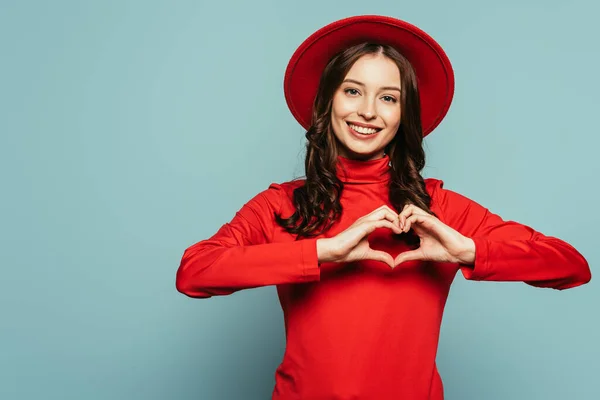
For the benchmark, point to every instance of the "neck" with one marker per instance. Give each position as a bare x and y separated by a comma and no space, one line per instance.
360,172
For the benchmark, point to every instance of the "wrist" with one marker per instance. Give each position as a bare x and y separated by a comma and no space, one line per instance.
467,254
324,251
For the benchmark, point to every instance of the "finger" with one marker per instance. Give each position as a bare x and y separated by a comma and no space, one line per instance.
383,213
414,219
412,209
410,255
407,211
370,226
381,256
383,207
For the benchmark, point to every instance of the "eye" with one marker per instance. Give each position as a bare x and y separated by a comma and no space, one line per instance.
389,99
351,91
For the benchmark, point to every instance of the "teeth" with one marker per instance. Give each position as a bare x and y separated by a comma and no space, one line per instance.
360,129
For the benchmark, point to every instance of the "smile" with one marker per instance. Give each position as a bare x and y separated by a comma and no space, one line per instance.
362,130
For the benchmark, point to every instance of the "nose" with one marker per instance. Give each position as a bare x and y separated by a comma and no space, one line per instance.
367,110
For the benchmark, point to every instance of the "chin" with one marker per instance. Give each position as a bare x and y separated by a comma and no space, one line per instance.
361,152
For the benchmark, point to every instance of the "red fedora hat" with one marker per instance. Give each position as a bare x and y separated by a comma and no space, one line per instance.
435,77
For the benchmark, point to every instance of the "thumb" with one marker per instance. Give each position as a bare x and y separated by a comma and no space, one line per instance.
407,256
381,256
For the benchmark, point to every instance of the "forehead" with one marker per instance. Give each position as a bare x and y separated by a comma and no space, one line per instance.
374,69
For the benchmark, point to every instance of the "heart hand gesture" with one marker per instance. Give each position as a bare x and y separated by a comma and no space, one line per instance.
352,245
438,241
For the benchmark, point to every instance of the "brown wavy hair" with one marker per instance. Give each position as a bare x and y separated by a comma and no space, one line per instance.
317,202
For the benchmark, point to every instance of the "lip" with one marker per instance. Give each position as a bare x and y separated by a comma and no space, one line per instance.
363,125
360,136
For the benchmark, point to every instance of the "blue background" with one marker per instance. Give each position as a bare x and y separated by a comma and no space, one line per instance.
133,129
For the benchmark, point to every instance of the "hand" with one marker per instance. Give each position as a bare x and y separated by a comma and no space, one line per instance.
439,242
352,244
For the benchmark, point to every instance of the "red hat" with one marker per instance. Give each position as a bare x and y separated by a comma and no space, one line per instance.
433,69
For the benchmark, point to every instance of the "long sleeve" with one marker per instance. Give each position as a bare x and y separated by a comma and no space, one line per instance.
242,255
508,250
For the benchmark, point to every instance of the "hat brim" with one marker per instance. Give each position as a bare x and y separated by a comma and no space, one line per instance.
435,77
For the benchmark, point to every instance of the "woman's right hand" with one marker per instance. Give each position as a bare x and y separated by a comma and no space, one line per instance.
352,245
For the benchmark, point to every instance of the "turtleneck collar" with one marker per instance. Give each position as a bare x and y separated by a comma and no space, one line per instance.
356,171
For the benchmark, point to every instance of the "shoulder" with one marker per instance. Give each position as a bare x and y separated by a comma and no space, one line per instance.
277,196
433,185
450,205
287,188
285,195
435,188
443,201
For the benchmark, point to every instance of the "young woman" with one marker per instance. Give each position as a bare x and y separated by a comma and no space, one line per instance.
364,250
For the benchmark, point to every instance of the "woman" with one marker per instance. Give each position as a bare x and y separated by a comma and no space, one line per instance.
364,250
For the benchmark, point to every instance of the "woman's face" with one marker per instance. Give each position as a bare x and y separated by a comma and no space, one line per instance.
366,113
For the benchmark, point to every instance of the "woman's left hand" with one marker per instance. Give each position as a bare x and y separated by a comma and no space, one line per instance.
439,242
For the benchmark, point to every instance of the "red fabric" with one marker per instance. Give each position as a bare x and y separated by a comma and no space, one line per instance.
365,331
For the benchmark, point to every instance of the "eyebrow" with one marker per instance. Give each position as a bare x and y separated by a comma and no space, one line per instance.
382,88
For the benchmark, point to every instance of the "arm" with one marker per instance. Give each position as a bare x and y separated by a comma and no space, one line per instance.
508,250
241,254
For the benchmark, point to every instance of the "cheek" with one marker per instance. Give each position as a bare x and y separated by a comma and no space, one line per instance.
392,116
335,116
341,107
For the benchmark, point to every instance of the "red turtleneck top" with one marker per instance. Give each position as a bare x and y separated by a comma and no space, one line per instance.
365,331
